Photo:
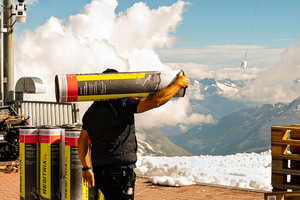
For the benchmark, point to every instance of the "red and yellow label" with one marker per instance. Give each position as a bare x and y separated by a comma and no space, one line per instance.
72,85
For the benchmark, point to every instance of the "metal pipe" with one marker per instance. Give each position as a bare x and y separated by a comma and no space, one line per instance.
8,53
1,54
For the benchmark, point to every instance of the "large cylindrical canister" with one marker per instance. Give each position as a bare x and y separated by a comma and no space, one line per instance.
74,187
104,86
29,182
50,138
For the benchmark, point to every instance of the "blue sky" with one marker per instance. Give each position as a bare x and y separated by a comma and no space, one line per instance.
205,22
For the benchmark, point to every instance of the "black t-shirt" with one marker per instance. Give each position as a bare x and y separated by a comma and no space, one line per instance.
124,106
105,121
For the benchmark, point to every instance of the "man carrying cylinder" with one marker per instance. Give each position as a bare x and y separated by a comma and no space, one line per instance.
110,127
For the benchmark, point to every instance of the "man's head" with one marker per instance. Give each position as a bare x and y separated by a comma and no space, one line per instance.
108,70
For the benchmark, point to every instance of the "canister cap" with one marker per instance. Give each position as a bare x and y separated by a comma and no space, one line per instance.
25,127
49,126
72,126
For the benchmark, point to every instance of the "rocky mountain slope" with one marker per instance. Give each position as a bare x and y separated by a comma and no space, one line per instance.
246,130
154,142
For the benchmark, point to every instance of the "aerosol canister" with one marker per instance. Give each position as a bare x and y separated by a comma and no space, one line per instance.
29,156
50,138
104,86
74,187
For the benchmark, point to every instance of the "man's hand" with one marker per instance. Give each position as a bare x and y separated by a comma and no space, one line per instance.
182,80
88,178
83,153
164,95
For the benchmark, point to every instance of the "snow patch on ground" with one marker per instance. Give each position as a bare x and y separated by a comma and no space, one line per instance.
244,170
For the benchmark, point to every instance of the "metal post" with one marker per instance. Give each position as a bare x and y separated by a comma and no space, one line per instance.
8,53
1,54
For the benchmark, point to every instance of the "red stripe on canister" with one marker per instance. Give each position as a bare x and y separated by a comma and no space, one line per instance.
72,87
51,139
29,138
71,142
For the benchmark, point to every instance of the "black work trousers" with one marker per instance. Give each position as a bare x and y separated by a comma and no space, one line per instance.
115,183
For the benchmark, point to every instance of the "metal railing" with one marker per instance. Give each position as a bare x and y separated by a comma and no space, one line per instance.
47,113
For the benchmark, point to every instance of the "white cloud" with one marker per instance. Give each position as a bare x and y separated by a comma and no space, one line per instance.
98,38
237,73
274,73
176,111
201,71
147,29
29,2
227,56
274,77
193,70
277,83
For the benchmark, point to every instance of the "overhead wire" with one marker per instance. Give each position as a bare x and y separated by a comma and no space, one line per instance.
244,63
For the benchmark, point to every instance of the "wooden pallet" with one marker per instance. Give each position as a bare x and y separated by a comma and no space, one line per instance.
285,150
282,196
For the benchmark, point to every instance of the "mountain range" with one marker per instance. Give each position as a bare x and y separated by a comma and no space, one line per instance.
211,97
241,126
216,97
247,130
153,142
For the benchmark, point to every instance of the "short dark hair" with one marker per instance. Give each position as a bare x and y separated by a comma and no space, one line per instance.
108,70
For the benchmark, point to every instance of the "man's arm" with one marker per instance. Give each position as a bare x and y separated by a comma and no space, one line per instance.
83,152
164,95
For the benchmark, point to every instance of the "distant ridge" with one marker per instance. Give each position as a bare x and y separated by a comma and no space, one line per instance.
247,130
153,142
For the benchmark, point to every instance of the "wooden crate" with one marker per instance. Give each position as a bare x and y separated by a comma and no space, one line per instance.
285,150
282,196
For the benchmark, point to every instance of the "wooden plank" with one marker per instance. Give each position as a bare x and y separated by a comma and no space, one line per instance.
277,135
292,194
278,150
288,186
282,195
287,142
287,171
278,163
285,128
278,179
295,135
282,138
287,156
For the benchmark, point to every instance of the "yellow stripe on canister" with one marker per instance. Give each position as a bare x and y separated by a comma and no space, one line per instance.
98,77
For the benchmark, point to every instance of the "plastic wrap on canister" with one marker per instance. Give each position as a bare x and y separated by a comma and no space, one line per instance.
104,86
29,182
